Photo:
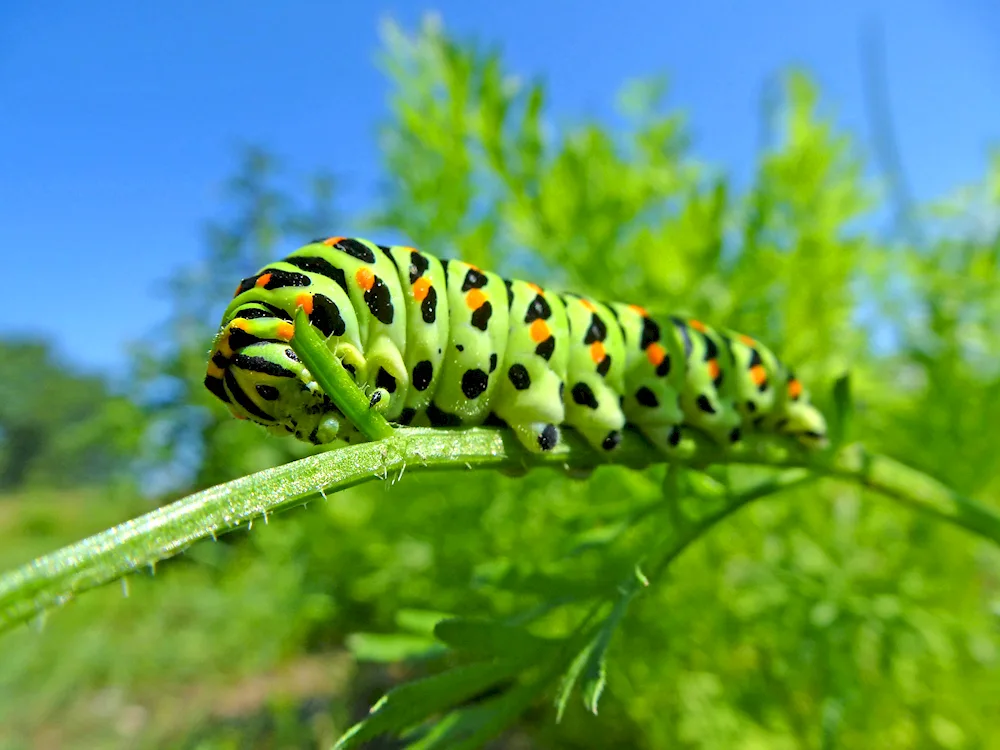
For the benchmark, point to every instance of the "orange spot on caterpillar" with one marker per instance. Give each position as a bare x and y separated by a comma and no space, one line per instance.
420,288
241,323
214,371
331,241
365,278
597,352
238,288
264,280
698,325
539,331
655,353
713,368
286,331
475,299
794,389
535,288
758,374
747,340
588,304
641,310
305,301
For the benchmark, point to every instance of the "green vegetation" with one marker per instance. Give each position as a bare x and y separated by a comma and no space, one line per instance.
58,428
818,616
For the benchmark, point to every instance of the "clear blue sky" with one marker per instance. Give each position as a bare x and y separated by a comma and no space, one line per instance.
119,120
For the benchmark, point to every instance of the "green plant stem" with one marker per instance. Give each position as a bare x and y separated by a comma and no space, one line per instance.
913,488
57,577
687,532
335,381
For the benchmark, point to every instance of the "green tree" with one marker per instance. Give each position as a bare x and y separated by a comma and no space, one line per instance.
59,427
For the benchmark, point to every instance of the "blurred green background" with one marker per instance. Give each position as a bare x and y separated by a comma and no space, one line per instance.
825,618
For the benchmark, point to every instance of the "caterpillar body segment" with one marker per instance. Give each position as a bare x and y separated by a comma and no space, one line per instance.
446,344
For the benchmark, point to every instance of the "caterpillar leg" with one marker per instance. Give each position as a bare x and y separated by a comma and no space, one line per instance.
353,361
652,406
350,434
387,381
595,373
593,409
665,437
708,396
798,418
537,437
529,400
718,418
379,400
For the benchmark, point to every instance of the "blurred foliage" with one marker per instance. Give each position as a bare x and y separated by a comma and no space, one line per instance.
58,427
822,618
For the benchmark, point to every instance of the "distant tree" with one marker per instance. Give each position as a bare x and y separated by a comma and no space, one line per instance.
59,427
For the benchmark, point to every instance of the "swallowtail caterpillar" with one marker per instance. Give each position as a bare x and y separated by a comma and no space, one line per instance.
445,344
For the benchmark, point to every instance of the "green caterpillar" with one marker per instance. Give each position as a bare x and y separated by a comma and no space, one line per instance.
443,343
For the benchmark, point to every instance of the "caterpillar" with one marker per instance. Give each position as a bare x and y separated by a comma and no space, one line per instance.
443,343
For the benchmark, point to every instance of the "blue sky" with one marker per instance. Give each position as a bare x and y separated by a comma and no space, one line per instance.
119,120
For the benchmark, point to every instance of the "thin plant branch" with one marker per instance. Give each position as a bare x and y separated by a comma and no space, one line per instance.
54,579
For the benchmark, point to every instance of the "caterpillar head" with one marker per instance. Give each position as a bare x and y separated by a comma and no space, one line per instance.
265,382
804,422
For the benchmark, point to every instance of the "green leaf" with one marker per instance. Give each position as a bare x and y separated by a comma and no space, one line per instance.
392,647
674,483
598,537
420,621
705,486
589,661
406,705
570,677
490,638
595,676
335,380
549,586
594,668
843,408
469,728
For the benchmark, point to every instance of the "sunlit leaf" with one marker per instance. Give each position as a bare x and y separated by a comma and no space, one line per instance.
420,621
407,705
469,728
393,647
570,677
494,639
843,408
594,672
